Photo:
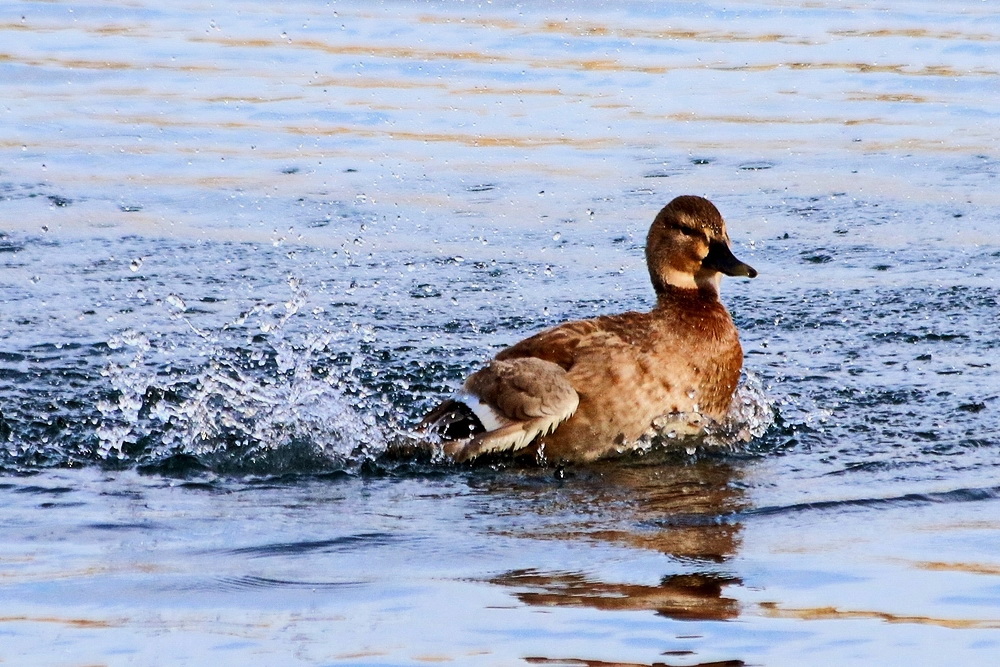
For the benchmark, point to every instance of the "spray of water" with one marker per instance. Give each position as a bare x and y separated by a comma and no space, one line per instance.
260,396
750,414
261,400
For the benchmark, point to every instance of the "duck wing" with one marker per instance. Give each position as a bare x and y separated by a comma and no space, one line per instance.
527,390
559,344
517,400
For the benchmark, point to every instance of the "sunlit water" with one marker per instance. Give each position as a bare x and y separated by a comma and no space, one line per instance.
243,247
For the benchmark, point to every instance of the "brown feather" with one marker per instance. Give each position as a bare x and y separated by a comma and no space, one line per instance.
588,389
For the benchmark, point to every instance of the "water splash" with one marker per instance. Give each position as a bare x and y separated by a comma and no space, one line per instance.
750,415
261,401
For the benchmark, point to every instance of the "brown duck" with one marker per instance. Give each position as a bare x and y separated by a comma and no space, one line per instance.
590,389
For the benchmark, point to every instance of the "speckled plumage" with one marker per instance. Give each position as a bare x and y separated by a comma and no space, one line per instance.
589,389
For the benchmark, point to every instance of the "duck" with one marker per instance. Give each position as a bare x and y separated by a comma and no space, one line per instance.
592,389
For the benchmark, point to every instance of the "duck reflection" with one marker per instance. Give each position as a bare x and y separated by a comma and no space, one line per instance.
680,596
683,511
573,662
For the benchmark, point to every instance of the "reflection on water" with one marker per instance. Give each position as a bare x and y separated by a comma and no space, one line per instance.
683,512
831,613
569,662
602,663
681,596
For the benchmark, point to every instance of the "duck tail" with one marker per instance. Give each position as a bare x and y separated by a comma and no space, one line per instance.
507,438
452,420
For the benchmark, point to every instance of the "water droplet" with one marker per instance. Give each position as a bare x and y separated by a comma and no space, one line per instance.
136,263
176,302
556,236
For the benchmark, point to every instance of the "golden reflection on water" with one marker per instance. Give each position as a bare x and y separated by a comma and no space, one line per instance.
597,30
374,82
864,96
106,64
478,21
70,622
620,107
774,610
897,68
395,52
757,120
972,568
577,28
919,33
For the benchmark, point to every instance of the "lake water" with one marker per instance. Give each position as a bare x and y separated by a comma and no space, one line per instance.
245,245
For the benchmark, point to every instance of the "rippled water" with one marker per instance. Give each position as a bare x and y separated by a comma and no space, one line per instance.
244,246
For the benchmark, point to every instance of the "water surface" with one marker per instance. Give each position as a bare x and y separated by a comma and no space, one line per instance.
244,247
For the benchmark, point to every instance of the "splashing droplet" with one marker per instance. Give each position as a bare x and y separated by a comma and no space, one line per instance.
250,407
176,303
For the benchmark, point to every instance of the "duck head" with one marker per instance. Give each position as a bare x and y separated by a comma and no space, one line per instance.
688,247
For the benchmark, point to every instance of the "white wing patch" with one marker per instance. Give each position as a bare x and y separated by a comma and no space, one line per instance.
487,416
517,401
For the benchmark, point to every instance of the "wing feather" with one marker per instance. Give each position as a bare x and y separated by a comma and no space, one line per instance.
529,397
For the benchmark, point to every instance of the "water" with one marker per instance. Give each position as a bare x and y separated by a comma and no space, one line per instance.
245,246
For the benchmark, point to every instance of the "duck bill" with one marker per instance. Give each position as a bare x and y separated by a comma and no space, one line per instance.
720,258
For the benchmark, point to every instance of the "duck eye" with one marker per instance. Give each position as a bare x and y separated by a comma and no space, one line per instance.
692,233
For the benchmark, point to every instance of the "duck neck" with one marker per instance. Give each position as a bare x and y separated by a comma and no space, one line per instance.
667,279
702,291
